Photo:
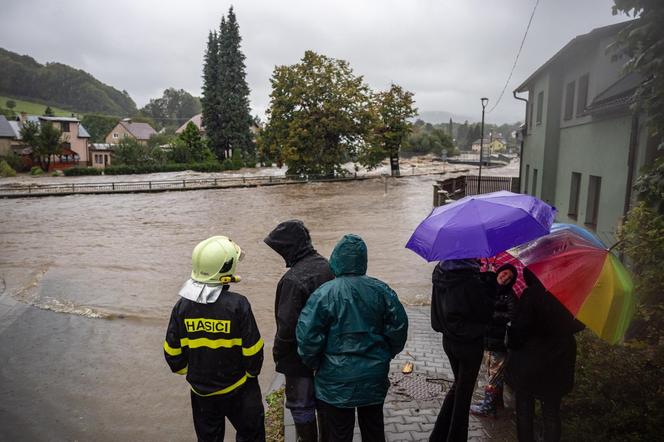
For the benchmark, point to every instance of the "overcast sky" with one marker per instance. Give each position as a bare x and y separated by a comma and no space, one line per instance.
449,53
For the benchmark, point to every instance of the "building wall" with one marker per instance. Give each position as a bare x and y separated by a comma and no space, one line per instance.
599,149
100,159
78,145
121,133
5,146
534,144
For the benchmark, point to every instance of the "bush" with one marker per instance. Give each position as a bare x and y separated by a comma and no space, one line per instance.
79,171
15,162
172,167
36,171
6,170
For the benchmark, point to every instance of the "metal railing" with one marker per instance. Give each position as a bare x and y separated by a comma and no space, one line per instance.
161,185
445,191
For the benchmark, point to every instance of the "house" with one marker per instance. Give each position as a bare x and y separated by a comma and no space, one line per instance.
141,132
75,140
583,145
6,136
100,155
197,120
490,145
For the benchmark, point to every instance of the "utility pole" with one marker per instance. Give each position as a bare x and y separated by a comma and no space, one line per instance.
485,101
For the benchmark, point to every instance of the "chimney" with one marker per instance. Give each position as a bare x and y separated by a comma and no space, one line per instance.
24,117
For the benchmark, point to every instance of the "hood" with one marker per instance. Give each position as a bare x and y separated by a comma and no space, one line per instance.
455,271
201,293
515,272
291,240
349,256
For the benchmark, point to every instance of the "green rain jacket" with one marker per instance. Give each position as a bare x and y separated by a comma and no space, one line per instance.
350,329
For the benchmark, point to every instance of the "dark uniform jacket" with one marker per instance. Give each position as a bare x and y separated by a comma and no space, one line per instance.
461,302
308,270
503,312
542,345
217,345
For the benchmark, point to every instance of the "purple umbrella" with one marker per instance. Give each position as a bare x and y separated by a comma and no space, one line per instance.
480,226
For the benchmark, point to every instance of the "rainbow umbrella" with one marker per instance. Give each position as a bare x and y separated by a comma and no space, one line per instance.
582,273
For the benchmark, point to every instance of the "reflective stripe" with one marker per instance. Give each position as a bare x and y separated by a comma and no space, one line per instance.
228,389
253,349
183,371
250,375
210,343
172,351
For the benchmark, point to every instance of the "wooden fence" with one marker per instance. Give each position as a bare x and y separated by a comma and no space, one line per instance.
455,188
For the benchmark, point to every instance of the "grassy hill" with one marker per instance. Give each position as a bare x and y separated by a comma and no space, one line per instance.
32,108
60,85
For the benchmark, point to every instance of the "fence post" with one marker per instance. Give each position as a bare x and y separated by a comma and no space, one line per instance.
150,185
184,184
215,183
72,187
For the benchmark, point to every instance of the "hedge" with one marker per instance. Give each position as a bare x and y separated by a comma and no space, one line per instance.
156,168
79,171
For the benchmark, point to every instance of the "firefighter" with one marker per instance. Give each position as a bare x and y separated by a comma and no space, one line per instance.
213,339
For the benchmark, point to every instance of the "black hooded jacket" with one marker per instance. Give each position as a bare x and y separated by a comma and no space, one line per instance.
542,344
461,302
308,270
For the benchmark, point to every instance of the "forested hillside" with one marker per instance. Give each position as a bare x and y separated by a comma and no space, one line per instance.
61,85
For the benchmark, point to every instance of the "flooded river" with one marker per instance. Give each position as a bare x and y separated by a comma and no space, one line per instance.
88,282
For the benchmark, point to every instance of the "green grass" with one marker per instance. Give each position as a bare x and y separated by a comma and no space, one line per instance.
32,108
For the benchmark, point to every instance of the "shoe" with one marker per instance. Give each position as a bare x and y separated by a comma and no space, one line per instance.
480,410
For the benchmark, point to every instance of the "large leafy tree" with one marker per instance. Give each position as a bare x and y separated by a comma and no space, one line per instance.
644,41
393,107
233,92
173,108
319,115
44,139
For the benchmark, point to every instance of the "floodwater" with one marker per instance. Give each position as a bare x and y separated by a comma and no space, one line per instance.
87,283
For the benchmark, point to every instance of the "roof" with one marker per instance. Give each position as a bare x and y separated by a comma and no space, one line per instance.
592,36
141,131
67,119
83,132
618,95
6,130
16,127
101,146
196,119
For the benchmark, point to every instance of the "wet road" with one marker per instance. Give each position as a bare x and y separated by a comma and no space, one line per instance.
88,282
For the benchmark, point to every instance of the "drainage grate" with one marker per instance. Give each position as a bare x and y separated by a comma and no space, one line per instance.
417,387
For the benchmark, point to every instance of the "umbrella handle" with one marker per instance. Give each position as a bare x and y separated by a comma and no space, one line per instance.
616,245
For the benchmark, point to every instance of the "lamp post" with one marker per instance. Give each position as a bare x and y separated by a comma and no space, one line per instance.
485,101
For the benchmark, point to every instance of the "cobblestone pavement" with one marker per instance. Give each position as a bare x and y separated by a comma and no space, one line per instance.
413,402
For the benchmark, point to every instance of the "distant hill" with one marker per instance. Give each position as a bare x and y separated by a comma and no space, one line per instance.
437,117
31,108
60,85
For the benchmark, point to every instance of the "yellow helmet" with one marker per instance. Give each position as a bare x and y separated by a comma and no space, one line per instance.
214,261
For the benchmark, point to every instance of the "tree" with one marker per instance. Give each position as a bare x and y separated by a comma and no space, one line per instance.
319,115
98,126
131,153
44,139
450,128
393,109
210,99
642,39
11,104
189,147
49,112
174,108
235,116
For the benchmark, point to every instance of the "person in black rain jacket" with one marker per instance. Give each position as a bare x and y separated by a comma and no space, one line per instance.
307,271
461,308
213,339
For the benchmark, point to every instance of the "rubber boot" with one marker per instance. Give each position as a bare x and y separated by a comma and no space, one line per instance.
307,432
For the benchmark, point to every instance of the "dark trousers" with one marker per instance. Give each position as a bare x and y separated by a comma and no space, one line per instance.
452,422
525,416
340,422
244,409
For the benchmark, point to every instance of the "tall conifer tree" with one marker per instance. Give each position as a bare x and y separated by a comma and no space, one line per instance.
210,99
233,91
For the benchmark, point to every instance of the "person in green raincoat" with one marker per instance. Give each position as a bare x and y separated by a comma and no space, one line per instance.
349,330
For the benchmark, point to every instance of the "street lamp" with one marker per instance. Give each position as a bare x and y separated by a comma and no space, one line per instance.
485,101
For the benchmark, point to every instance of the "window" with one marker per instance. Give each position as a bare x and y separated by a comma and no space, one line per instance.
534,192
65,126
115,135
575,186
583,95
592,205
569,100
525,184
530,115
540,105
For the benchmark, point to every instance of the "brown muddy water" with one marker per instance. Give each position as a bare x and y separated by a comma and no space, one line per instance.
87,284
